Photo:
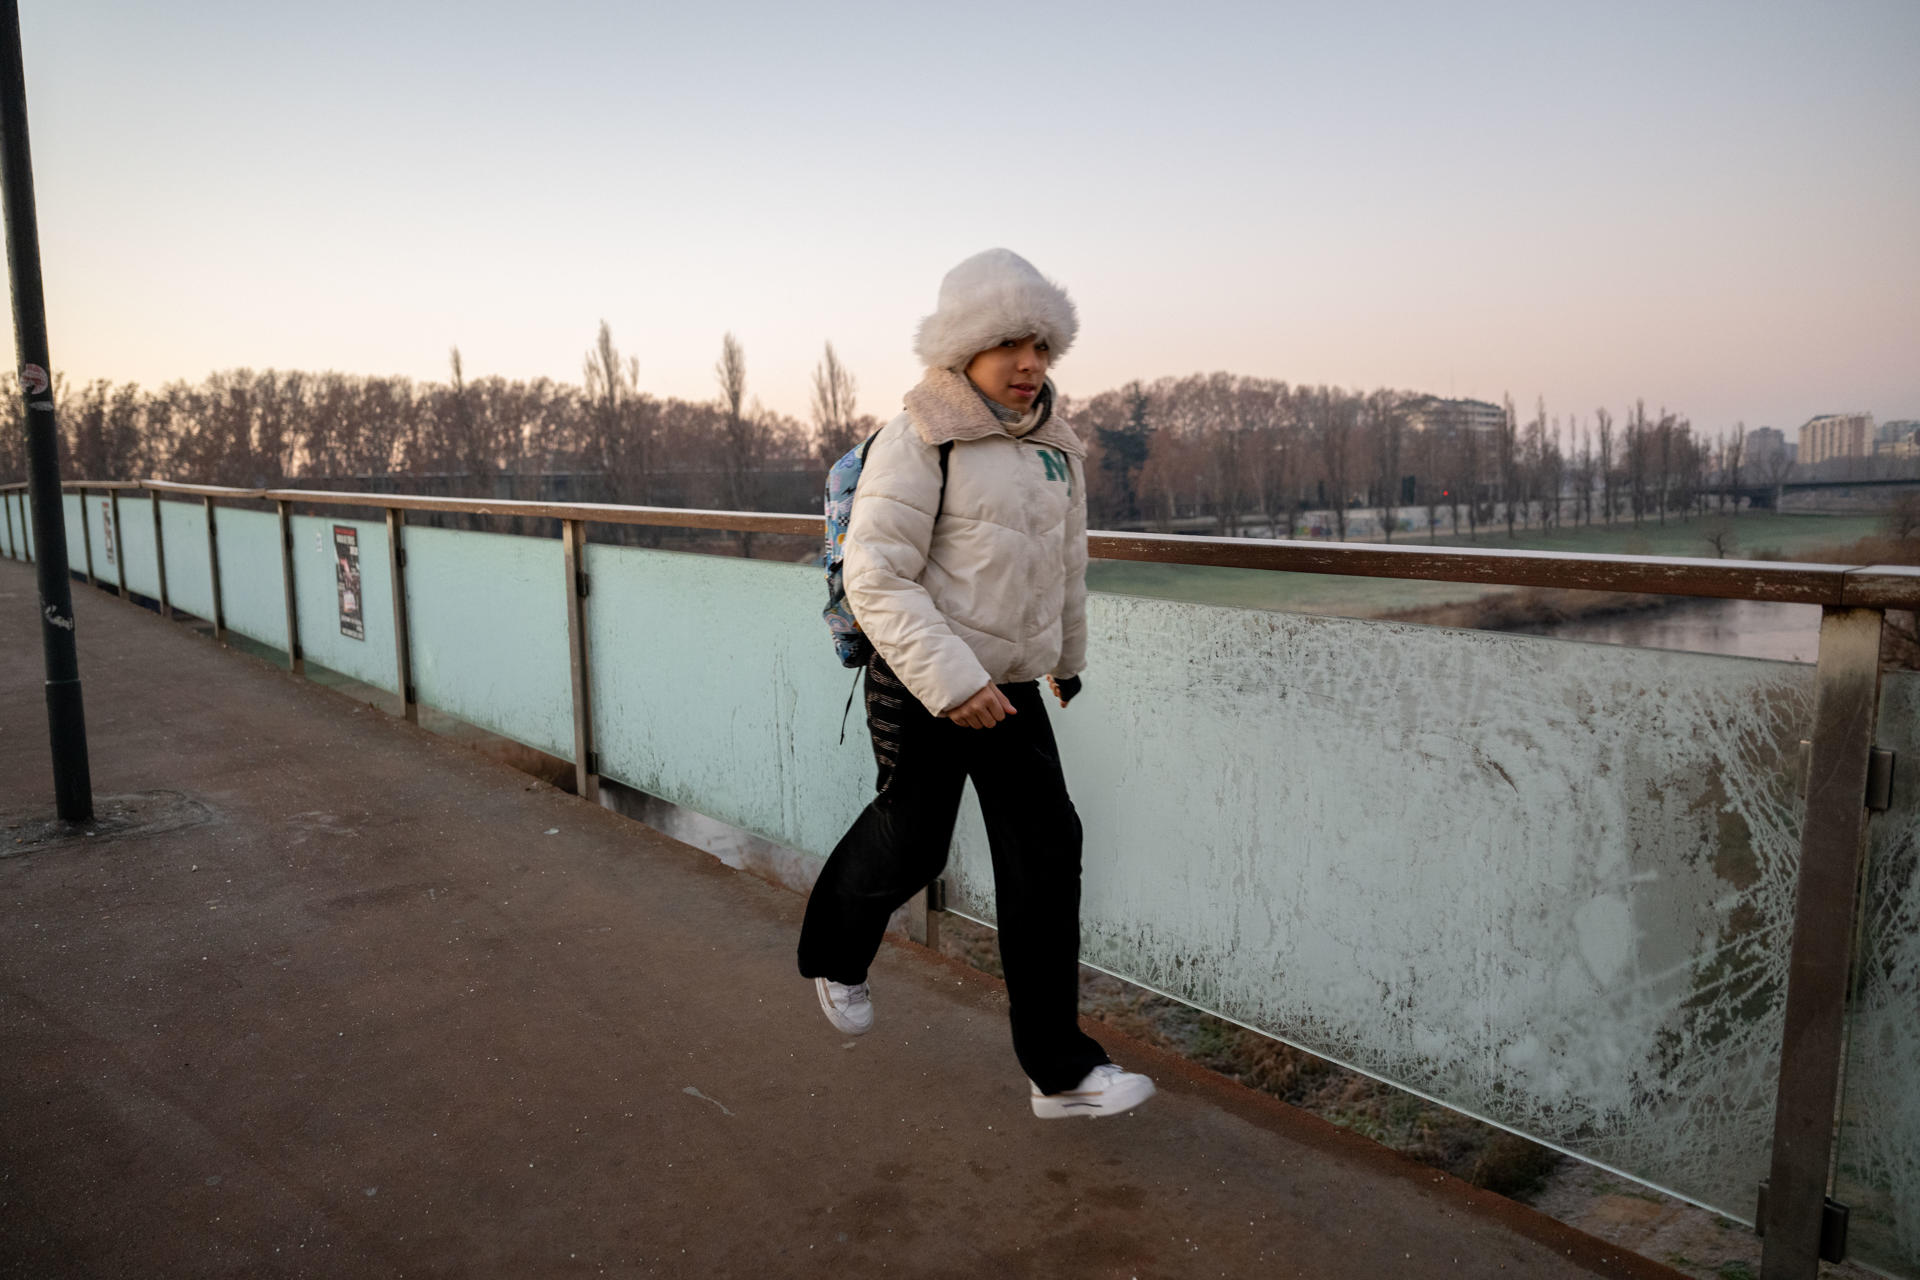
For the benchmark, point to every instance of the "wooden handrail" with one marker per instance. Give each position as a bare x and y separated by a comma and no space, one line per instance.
1771,581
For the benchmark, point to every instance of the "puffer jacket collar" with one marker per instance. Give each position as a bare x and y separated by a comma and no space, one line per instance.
946,407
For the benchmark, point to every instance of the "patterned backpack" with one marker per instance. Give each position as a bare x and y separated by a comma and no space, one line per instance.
849,642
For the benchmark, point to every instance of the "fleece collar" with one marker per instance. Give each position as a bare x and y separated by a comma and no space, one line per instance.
946,407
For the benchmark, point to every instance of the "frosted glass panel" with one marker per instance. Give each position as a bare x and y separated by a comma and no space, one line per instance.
1878,1172
183,534
251,594
1548,883
488,617
14,508
715,686
134,542
23,541
76,547
346,627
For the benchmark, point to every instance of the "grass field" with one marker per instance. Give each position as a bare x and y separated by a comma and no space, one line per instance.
1756,535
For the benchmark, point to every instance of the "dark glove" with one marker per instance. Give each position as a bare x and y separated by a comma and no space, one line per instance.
1068,686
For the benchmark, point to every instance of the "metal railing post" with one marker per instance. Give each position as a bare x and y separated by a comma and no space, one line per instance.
86,534
586,775
1832,845
924,910
296,661
402,640
213,572
119,544
160,559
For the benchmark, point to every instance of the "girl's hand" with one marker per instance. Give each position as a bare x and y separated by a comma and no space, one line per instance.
984,709
1065,690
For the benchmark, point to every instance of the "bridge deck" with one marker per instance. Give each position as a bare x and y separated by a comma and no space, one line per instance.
389,1008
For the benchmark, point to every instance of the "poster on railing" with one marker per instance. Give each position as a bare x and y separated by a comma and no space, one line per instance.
346,573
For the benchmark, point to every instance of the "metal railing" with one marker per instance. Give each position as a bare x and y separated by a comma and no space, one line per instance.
1796,1218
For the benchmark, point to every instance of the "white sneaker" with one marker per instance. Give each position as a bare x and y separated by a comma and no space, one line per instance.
1107,1091
847,1008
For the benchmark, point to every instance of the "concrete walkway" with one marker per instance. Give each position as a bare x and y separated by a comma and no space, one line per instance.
356,1001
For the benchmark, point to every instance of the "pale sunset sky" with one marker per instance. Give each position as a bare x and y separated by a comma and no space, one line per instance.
1715,207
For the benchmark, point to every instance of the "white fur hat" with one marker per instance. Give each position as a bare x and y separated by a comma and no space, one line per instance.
990,297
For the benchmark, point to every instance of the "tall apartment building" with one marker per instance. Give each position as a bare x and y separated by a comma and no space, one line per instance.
1836,435
1457,415
1764,445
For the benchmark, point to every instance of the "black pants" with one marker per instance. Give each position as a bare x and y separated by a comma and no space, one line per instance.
898,845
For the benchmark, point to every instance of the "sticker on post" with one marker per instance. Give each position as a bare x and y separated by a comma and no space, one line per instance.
34,379
346,576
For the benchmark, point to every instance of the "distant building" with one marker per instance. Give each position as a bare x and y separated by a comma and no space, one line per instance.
1836,435
1457,415
1764,446
1899,438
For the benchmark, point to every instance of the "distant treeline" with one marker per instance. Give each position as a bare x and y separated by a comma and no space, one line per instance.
1217,450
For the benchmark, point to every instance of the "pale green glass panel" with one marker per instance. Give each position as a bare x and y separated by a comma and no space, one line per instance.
183,536
134,541
1878,1171
487,615
715,686
251,594
1549,884
74,513
22,521
316,588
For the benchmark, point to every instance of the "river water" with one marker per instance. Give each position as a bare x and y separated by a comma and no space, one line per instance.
1740,628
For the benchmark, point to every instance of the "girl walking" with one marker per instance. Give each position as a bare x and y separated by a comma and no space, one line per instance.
965,565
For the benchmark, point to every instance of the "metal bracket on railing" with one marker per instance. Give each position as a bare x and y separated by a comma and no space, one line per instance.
581,584
937,895
1879,780
1833,1226
1879,775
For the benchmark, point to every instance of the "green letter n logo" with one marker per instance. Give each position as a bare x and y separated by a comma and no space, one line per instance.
1056,464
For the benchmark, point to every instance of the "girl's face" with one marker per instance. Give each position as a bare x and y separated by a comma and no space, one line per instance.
1012,372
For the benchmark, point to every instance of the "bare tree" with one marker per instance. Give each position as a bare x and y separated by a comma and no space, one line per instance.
834,422
1386,422
1604,430
618,440
1730,458
1335,416
1508,447
1471,458
1663,451
1638,447
1431,489
1903,521
742,433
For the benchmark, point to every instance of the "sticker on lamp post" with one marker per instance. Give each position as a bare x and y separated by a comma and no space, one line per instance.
346,576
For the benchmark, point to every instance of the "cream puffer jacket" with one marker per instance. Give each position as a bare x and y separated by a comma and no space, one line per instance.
997,590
